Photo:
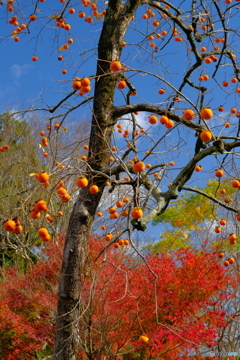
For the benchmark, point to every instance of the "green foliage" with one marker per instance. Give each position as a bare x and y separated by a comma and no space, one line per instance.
169,240
190,214
16,163
191,210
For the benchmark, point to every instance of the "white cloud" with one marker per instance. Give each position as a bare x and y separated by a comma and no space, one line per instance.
141,120
17,70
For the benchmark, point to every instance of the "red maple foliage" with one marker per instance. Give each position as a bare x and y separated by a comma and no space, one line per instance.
176,302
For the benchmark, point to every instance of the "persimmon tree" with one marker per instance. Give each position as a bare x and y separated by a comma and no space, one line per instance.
188,53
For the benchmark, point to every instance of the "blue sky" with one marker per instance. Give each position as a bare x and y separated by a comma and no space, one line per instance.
23,81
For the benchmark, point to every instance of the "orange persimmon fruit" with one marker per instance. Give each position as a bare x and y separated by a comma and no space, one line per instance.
9,225
136,213
115,65
42,177
138,166
219,173
188,114
206,113
94,189
82,182
206,135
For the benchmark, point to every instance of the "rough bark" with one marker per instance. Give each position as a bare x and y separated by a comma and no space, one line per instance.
103,120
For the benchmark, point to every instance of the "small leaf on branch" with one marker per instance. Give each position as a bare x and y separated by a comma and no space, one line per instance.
55,16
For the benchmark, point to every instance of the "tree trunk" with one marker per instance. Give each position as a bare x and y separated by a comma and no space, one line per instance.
103,121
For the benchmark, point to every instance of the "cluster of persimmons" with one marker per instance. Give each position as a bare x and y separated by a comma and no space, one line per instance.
138,166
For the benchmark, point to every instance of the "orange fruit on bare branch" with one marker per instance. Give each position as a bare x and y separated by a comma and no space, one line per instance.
18,229
155,23
9,225
235,184
32,17
222,191
39,206
219,173
49,219
119,204
122,84
82,182
81,14
34,214
115,65
114,216
85,82
188,114
205,135
218,229
169,124
153,119
225,83
65,198
112,210
61,191
206,113
77,85
125,213
232,237
94,189
136,213
108,237
222,222
138,166
233,110
71,11
42,232
164,119
198,168
42,177
46,238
